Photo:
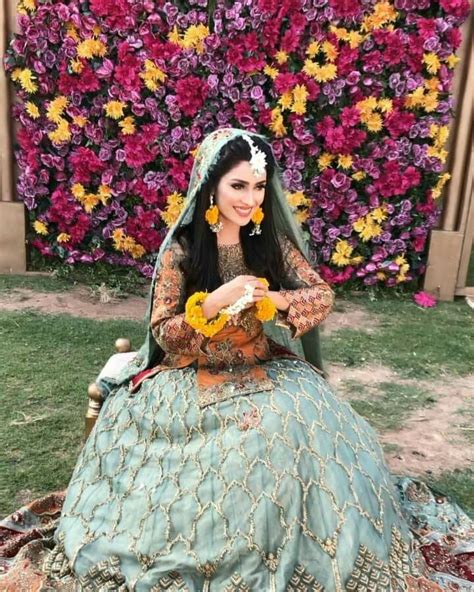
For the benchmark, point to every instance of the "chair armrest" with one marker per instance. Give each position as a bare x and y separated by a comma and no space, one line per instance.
111,369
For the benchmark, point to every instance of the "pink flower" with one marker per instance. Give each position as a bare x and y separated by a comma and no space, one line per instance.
424,299
459,8
345,8
191,94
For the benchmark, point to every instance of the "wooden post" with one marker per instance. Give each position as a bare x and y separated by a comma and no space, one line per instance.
12,213
451,244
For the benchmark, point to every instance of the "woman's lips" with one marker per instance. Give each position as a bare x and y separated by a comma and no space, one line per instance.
243,212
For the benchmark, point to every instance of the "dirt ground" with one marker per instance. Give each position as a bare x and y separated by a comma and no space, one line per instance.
432,440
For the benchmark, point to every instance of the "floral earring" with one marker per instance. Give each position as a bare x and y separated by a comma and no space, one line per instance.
257,218
212,216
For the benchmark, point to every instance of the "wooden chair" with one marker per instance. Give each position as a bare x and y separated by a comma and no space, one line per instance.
124,353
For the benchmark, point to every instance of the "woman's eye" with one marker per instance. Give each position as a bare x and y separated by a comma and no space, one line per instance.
262,187
236,185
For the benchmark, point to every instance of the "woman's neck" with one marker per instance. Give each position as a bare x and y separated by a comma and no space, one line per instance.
229,235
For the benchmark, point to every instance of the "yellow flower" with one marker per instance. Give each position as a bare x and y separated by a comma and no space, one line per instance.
32,110
153,76
331,52
265,308
114,109
311,68
299,107
431,62
374,122
194,36
452,60
80,120
104,194
302,216
385,105
27,81
40,227
382,14
381,275
313,49
281,57
89,202
277,125
356,260
354,38
257,216
359,176
195,318
271,72
340,32
137,251
118,236
127,125
430,101
297,199
56,108
175,203
90,48
286,100
359,224
174,36
326,73
15,75
379,214
342,253
30,5
71,31
433,84
64,237
367,105
76,66
78,191
212,215
61,133
325,159
371,230
345,161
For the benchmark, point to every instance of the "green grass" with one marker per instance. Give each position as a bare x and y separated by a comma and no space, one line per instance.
48,363
389,407
458,485
38,283
416,343
63,277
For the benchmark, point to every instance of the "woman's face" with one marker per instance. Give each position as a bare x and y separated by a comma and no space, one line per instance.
239,192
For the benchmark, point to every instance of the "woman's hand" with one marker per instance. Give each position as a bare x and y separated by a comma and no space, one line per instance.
231,291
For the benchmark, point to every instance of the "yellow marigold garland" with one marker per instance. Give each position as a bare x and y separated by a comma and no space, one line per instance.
195,317
266,308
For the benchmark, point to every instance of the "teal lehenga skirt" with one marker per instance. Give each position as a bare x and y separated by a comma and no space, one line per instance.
283,490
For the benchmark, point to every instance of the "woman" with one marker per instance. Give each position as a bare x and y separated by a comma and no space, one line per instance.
221,460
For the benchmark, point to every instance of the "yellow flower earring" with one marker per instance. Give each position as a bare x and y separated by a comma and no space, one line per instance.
257,218
212,216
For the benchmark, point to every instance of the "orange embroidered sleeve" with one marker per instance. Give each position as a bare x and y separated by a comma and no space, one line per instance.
311,301
169,328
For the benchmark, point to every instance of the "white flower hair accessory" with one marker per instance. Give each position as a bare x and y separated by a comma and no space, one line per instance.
258,159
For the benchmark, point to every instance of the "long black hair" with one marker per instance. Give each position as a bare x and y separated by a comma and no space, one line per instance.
262,252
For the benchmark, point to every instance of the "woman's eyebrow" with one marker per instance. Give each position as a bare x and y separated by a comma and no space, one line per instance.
246,182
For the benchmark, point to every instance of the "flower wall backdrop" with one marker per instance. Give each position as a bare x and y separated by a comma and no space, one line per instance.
114,97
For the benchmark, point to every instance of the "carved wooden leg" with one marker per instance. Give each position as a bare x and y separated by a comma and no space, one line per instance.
122,345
